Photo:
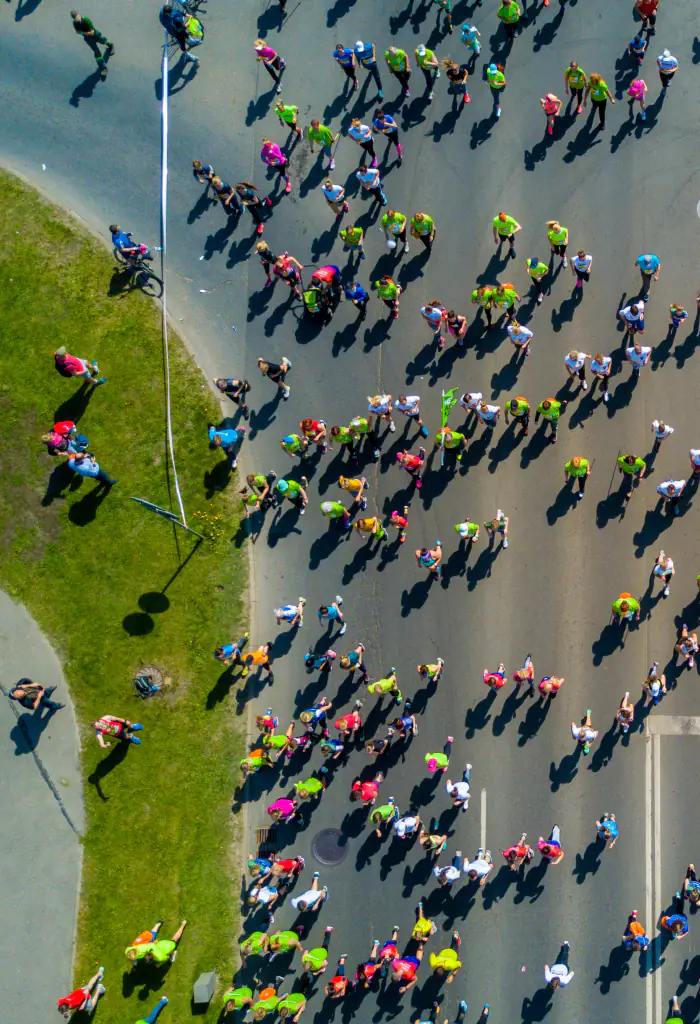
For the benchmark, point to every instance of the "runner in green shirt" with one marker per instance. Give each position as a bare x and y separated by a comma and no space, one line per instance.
537,270
317,132
255,944
387,685
509,15
287,114
579,469
315,960
283,942
159,952
626,607
452,440
599,92
334,510
294,492
633,469
293,445
550,410
428,62
505,228
506,297
519,409
576,80
558,237
238,999
484,296
423,228
467,530
312,787
397,62
389,292
381,816
497,83
343,435
265,1006
394,224
294,1003
353,236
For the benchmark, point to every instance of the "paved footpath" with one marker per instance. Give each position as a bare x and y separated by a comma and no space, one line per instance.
41,809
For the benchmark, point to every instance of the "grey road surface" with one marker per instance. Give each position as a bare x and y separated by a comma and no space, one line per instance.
42,813
628,189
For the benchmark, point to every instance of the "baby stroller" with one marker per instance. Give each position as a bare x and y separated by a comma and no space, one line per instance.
323,292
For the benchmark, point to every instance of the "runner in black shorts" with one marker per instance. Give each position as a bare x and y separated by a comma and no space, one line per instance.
277,373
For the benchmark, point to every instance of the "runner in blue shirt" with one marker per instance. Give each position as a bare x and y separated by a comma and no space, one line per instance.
648,264
358,296
345,58
366,54
607,829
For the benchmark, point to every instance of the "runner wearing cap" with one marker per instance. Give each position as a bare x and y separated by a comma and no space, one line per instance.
366,56
519,409
429,65
537,269
668,65
497,83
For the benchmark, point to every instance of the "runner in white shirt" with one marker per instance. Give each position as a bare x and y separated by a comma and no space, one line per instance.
480,868
409,405
633,316
470,400
581,265
664,570
584,734
559,973
406,826
310,899
381,407
335,197
362,135
520,336
460,791
600,368
576,366
488,414
661,431
638,355
694,456
670,491
435,314
450,873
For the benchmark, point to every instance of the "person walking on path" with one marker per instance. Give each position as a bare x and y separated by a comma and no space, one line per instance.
457,76
637,92
584,734
520,337
505,228
597,89
85,464
519,409
497,83
575,363
345,59
423,228
509,13
93,37
668,65
551,105
460,791
272,156
320,133
581,265
399,66
671,492
484,298
371,182
386,124
601,367
646,9
633,469
389,292
649,267
430,559
499,524
575,79
430,66
287,113
558,238
83,999
335,197
366,54
73,366
578,469
362,135
551,848
394,227
272,61
664,570
31,695
559,973
537,269
277,373
550,410
625,608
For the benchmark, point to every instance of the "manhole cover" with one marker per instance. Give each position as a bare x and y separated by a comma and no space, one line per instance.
330,846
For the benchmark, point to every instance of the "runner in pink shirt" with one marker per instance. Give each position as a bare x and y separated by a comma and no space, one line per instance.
273,156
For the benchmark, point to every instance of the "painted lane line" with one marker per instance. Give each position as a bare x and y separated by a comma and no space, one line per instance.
649,978
483,819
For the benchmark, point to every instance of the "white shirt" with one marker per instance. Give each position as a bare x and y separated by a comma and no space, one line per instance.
458,790
633,317
369,178
481,866
405,826
661,570
360,134
663,488
381,406
559,971
603,367
435,314
490,413
264,893
582,263
666,432
451,873
577,363
589,734
409,407
333,193
667,63
695,456
639,358
523,334
470,399
310,898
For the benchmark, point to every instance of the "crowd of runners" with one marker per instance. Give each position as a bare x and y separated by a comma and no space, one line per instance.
334,733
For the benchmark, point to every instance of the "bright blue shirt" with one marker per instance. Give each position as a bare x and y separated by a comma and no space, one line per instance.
121,240
331,614
343,56
86,467
227,650
355,291
228,437
365,55
671,920
608,830
385,124
649,267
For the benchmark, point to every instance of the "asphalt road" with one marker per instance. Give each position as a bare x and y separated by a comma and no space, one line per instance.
620,192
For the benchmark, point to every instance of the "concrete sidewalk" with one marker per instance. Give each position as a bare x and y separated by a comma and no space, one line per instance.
41,808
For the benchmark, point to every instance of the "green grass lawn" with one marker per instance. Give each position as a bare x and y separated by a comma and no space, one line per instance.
160,835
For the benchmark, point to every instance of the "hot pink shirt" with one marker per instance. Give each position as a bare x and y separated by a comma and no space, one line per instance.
272,154
267,53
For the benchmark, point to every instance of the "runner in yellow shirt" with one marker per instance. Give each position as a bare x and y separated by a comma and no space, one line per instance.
505,228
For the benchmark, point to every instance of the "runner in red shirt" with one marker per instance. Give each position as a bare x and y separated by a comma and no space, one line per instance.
403,970
366,791
519,854
350,723
413,464
83,999
315,431
120,728
366,971
646,9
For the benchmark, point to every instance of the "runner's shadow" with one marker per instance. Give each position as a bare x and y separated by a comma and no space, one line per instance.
546,35
603,753
481,131
204,203
566,311
538,153
415,598
537,1008
482,568
84,512
479,716
534,718
507,444
564,502
506,378
565,772
85,90
497,887
612,638
622,133
509,709
107,765
588,863
682,353
655,524
537,444
584,142
530,886
615,969
25,8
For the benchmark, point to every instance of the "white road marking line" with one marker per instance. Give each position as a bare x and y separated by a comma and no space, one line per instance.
657,866
649,981
483,819
673,725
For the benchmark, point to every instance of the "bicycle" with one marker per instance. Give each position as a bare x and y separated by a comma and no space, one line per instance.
138,264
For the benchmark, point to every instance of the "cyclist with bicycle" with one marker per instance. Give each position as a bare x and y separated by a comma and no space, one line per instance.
126,249
185,29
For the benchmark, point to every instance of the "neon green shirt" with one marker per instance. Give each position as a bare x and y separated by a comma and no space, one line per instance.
253,944
315,958
522,408
312,786
293,490
599,91
497,79
453,439
284,941
396,224
238,996
386,291
424,226
386,811
322,135
427,58
352,237
537,270
446,958
269,1005
505,227
576,79
631,601
288,113
293,1002
506,298
397,61
508,11
332,509
558,237
360,424
554,410
573,471
466,529
441,759
485,300
633,470
344,436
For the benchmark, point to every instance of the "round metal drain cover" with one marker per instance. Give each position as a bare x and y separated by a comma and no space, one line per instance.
330,846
